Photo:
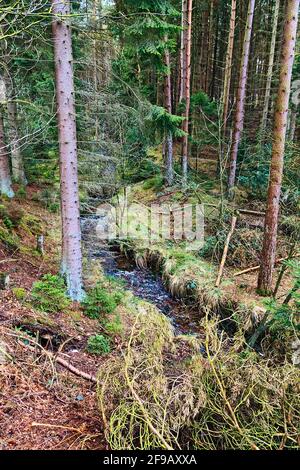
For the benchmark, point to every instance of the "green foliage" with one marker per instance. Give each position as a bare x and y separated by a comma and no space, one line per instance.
164,123
21,194
50,199
100,301
155,183
32,224
19,293
201,101
49,294
114,325
99,345
10,240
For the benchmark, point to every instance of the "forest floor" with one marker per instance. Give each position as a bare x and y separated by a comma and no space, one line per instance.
42,404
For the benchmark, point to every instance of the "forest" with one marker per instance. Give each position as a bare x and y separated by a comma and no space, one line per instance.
149,225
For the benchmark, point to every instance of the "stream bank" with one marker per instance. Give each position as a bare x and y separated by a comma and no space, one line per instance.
143,283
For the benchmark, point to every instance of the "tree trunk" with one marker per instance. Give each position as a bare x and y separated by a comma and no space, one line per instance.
17,163
187,91
293,122
5,178
71,234
270,70
241,95
228,66
183,49
279,138
168,104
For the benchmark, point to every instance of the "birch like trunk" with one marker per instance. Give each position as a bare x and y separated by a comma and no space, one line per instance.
241,95
228,66
279,137
169,137
66,117
5,178
187,91
270,70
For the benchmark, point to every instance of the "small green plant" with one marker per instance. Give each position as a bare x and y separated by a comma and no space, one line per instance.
101,301
21,193
49,294
98,344
19,293
155,183
114,326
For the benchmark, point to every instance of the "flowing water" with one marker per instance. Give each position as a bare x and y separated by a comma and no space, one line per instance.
142,282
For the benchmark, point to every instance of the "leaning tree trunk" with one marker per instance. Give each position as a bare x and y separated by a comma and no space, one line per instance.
71,234
169,137
279,138
5,178
187,91
270,70
241,95
228,66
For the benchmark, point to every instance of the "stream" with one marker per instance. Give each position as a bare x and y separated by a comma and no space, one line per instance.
143,283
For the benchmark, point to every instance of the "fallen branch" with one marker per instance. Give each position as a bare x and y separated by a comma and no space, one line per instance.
57,359
225,252
256,268
79,430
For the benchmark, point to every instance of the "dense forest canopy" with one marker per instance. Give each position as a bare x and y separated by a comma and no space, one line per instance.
113,107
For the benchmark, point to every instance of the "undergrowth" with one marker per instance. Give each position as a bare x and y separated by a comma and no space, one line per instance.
163,394
49,294
99,345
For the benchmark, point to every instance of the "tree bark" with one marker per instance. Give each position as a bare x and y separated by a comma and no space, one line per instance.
228,66
17,163
183,49
279,137
293,123
168,104
187,91
270,69
66,117
241,95
5,178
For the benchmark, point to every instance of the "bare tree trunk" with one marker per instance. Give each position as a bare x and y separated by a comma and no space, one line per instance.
183,49
168,104
279,138
17,163
5,178
241,95
228,66
187,92
270,69
293,122
71,234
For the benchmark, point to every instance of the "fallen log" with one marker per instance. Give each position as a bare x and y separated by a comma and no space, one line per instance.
256,268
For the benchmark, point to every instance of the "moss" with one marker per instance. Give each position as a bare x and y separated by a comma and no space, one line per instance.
10,240
19,293
32,224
